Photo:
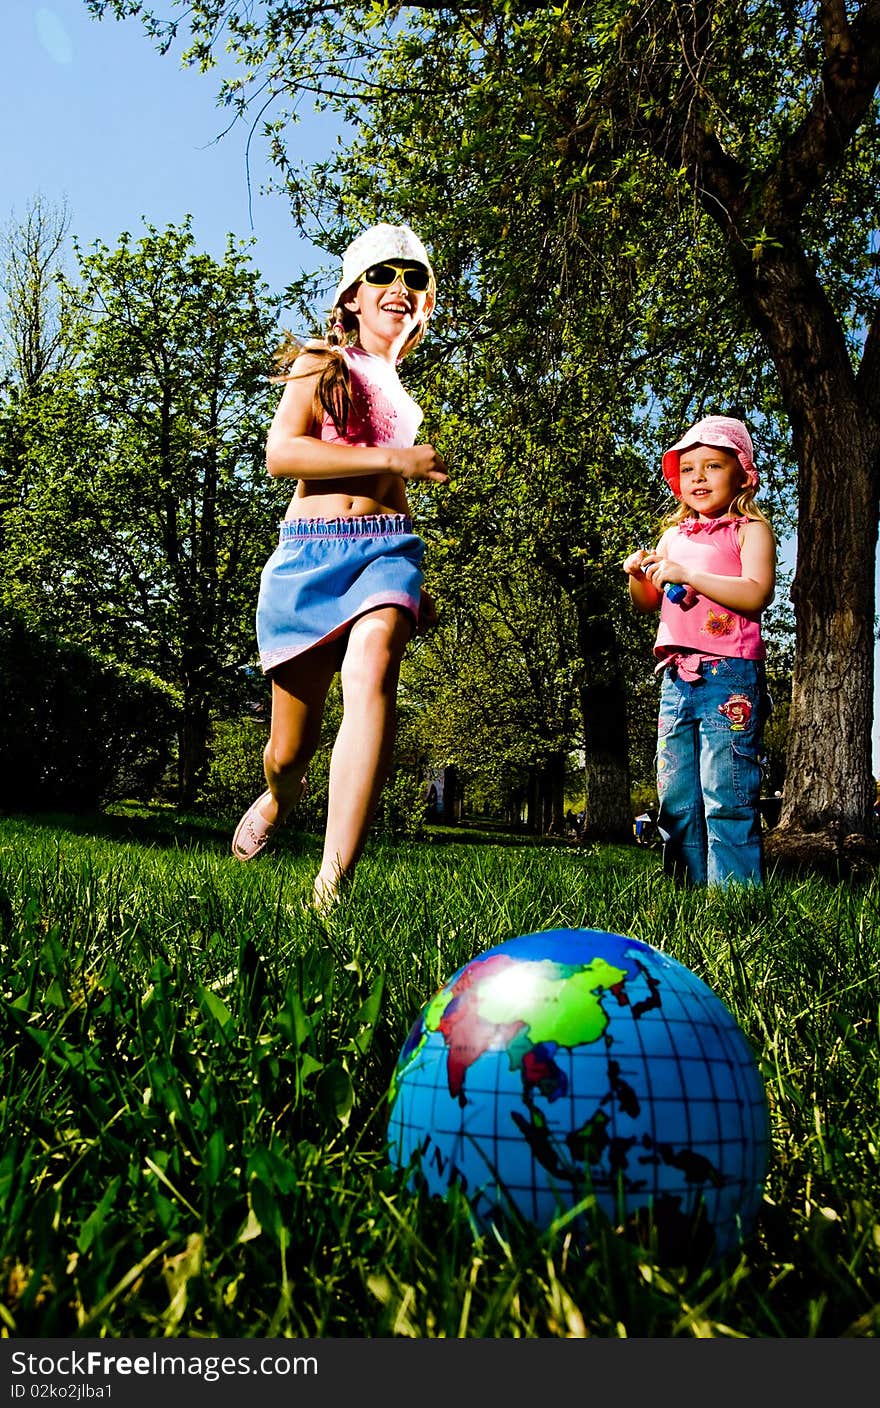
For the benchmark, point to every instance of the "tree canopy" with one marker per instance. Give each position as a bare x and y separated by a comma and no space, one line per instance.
703,174
144,505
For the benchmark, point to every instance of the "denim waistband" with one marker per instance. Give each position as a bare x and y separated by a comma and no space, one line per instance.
368,524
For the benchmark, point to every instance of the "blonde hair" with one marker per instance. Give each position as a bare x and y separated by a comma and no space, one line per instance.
333,390
743,506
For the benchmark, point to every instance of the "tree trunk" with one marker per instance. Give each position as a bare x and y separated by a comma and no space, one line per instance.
532,820
451,796
603,698
552,795
193,756
829,790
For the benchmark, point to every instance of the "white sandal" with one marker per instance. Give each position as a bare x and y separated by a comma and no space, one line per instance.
253,831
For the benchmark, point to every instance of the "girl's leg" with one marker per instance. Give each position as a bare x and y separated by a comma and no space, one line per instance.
680,820
299,693
733,710
363,748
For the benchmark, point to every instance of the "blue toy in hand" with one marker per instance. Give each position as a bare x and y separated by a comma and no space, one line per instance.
682,595
677,592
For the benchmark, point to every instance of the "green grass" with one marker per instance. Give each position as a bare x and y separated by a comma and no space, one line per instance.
195,1073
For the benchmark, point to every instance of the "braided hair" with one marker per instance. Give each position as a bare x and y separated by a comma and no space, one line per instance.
333,390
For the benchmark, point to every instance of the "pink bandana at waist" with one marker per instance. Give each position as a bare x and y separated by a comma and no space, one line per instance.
687,664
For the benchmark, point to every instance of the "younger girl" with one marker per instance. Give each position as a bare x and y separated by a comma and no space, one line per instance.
342,591
713,699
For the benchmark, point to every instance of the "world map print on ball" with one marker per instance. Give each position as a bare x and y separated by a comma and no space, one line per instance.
576,1062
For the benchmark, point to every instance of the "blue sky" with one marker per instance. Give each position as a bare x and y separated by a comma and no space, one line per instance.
91,113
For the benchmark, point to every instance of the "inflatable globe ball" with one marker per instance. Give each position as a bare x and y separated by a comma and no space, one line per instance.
575,1062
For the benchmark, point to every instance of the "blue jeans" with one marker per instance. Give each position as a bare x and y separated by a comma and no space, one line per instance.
709,773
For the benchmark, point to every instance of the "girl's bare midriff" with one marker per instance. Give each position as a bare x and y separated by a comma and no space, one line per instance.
348,498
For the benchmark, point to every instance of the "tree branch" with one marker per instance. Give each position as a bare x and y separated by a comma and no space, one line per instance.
850,76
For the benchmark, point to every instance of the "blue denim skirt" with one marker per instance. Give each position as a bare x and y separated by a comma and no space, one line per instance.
326,572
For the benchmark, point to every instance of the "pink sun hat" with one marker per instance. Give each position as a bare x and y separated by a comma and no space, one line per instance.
722,433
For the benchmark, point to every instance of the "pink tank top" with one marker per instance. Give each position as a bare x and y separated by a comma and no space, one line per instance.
382,412
706,628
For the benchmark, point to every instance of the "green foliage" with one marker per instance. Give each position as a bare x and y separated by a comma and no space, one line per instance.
494,683
401,811
780,662
235,770
142,467
584,308
235,776
32,343
78,729
639,215
196,1074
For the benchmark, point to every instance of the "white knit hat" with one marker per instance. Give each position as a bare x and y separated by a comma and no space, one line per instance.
374,246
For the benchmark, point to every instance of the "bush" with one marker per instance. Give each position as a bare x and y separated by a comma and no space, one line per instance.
235,777
79,729
235,774
402,809
235,769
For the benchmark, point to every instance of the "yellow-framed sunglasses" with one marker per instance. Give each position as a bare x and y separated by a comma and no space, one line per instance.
415,277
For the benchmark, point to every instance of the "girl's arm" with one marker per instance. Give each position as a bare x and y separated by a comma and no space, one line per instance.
752,591
294,448
644,595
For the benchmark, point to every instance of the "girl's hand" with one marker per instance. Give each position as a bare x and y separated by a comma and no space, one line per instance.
427,614
643,594
634,565
663,570
421,462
